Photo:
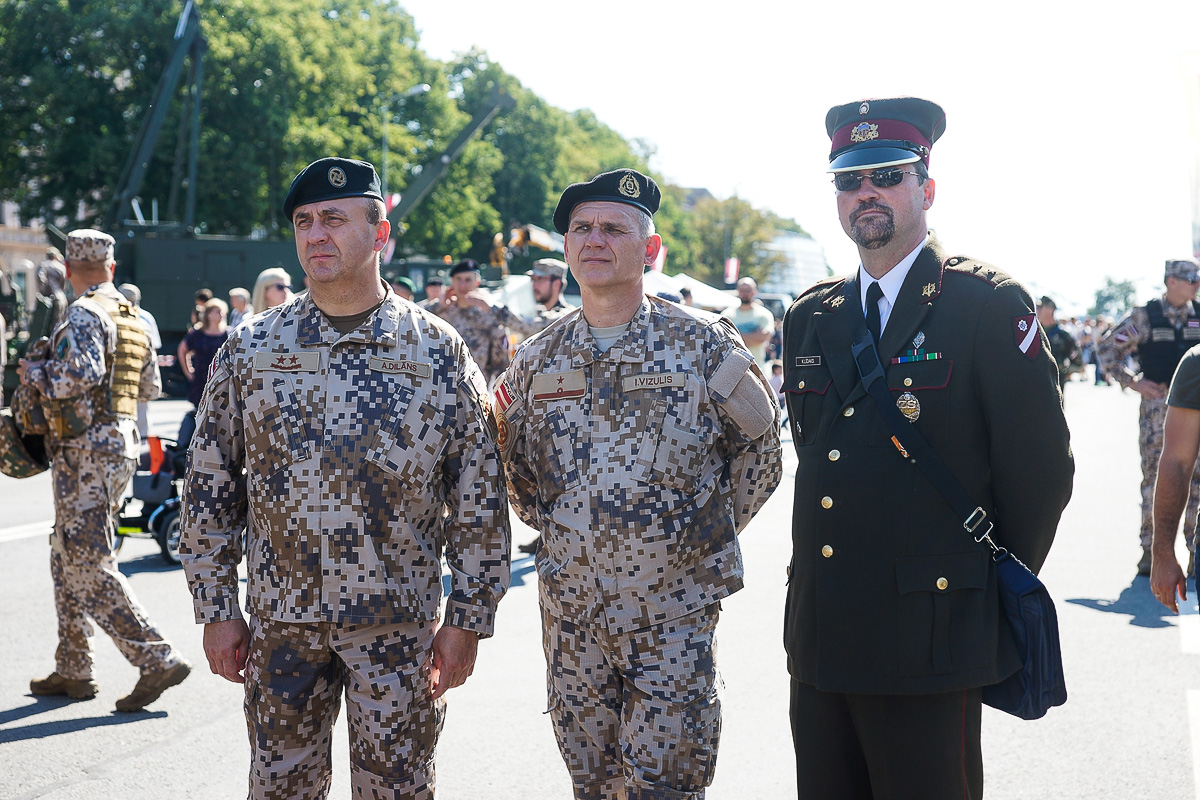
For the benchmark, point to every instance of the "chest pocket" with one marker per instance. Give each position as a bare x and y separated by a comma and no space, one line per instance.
411,438
557,431
920,387
807,389
275,425
676,439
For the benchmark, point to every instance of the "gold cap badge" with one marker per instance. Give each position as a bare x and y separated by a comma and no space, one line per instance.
629,186
864,132
337,178
909,406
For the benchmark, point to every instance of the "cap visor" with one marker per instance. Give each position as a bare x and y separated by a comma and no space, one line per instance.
872,157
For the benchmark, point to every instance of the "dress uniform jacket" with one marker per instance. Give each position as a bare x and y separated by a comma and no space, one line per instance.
83,346
631,465
366,456
888,594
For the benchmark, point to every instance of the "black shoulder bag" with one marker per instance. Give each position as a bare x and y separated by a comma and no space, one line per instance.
1032,690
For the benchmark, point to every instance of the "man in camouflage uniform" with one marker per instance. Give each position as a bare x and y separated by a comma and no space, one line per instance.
480,323
101,353
638,438
348,431
1158,334
546,277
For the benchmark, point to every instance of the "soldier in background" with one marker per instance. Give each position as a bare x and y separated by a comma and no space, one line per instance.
353,429
478,321
1063,347
639,438
1157,334
435,284
547,277
100,365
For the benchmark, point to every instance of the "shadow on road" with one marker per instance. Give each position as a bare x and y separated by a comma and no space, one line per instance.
151,562
1137,601
520,568
41,730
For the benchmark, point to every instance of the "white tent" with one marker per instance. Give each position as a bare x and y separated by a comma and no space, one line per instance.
706,296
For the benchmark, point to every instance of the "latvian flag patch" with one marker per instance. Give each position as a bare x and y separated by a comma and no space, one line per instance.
1029,340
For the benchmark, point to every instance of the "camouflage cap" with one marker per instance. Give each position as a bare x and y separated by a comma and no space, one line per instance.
86,244
549,268
1187,269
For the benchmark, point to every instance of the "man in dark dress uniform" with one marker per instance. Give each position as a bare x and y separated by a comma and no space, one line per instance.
893,623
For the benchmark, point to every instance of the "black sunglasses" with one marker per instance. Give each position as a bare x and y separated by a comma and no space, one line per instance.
282,286
881,178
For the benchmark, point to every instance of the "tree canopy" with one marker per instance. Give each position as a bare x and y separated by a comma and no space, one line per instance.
289,81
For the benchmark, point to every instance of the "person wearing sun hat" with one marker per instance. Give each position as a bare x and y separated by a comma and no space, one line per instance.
892,623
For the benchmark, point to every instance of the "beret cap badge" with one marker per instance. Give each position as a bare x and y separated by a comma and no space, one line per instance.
629,186
337,178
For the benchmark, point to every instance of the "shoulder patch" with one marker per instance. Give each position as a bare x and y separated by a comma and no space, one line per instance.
1026,332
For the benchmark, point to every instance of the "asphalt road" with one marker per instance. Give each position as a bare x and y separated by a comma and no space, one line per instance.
1129,728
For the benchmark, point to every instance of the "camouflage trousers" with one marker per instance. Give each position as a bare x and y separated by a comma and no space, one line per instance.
1151,420
87,494
637,715
295,676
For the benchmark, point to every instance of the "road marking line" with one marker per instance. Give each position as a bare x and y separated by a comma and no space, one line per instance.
26,531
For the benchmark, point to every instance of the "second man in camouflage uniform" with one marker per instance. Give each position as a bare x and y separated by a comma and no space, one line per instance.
1158,334
639,438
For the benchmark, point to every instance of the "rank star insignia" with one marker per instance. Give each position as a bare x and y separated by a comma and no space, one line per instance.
929,289
864,132
837,301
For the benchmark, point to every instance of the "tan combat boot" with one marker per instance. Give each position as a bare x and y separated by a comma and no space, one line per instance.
151,685
55,684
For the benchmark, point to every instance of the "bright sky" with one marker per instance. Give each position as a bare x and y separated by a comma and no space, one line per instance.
1070,147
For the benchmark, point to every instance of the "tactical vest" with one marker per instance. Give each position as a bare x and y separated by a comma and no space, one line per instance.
1165,345
119,398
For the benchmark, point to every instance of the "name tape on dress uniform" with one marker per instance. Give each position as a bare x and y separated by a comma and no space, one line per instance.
808,361
287,362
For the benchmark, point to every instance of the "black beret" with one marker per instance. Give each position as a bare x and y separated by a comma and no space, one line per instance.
466,265
329,179
626,186
883,133
435,279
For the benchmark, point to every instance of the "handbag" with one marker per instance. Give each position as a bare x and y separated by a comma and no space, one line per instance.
1026,605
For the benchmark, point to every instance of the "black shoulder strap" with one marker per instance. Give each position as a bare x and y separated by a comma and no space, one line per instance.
908,441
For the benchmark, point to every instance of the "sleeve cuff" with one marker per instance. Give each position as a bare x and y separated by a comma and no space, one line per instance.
479,618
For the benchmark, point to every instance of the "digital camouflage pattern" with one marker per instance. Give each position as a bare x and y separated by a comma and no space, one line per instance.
639,714
90,472
630,465
86,244
366,456
87,583
80,365
1113,353
541,320
484,333
295,678
638,466
20,456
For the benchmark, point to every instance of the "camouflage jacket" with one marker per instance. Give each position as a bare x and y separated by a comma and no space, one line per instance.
1122,340
484,333
635,465
366,457
526,327
82,348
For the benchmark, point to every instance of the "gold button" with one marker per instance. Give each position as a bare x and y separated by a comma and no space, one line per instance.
908,381
801,385
942,583
848,412
834,455
826,502
827,551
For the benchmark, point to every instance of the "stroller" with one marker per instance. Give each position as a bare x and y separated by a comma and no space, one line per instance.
152,510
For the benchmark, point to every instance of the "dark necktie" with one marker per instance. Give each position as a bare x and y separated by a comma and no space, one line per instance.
873,295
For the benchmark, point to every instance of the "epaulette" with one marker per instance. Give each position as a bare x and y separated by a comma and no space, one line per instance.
965,265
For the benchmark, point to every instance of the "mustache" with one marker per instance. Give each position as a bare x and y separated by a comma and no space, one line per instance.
872,206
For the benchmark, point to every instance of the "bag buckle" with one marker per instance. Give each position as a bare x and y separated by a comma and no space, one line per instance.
972,522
